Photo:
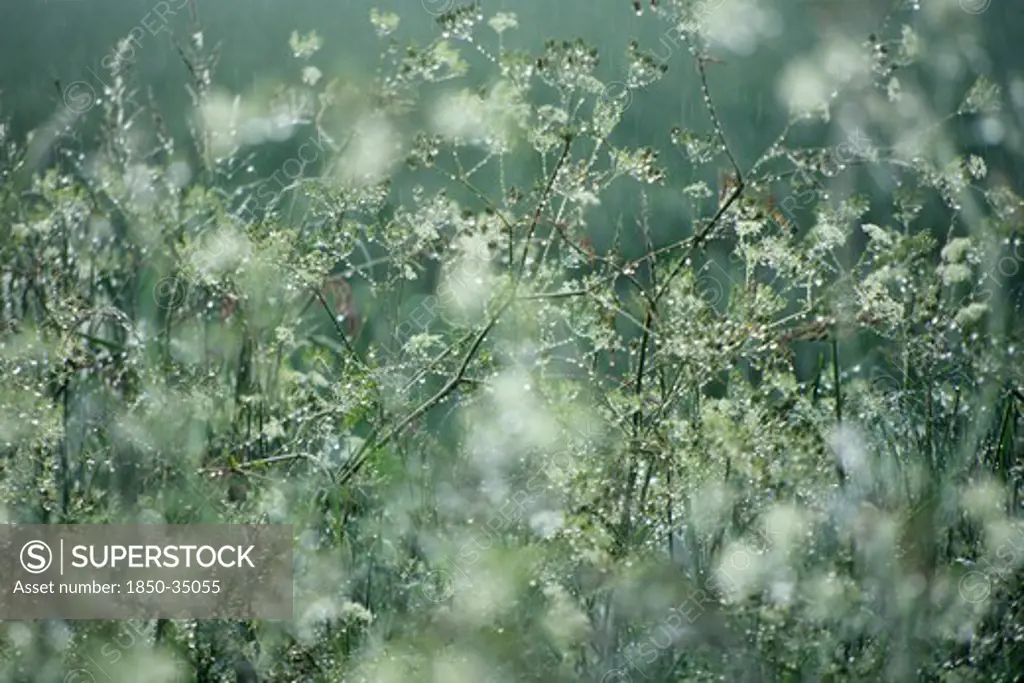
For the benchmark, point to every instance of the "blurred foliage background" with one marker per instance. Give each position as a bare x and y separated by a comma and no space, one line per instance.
576,343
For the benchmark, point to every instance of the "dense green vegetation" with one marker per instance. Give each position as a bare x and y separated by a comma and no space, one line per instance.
524,434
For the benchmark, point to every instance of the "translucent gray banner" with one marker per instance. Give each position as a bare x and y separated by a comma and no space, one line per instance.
147,571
